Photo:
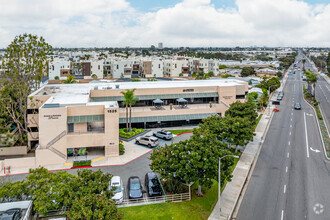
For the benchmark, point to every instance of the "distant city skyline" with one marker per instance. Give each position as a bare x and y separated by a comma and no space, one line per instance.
187,23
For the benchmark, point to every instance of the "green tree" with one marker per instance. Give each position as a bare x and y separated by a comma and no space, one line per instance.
56,78
242,110
311,79
90,197
24,64
247,71
328,63
192,160
129,101
94,76
279,74
222,66
70,80
238,131
303,61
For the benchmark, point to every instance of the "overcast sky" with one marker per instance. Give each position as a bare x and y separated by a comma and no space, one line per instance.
139,23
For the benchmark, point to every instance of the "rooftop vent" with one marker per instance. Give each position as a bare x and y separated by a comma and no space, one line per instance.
44,93
95,88
117,86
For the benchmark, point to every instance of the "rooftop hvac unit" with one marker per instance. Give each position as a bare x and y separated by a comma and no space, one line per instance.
96,88
117,86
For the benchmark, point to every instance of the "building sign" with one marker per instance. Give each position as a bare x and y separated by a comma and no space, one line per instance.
52,116
112,111
188,90
227,97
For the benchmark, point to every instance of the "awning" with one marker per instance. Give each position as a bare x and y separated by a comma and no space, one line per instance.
158,101
181,100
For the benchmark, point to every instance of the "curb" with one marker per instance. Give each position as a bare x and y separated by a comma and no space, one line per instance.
82,167
318,125
184,133
132,138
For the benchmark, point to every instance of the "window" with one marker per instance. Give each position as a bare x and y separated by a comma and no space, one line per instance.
99,67
33,129
117,66
240,96
159,66
175,66
53,67
70,127
33,111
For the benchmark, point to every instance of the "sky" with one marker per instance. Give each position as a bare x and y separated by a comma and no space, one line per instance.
175,23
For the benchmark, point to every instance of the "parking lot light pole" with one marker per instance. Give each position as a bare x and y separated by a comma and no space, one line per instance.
219,191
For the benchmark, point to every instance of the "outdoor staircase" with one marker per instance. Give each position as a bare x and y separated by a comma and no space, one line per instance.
52,142
225,104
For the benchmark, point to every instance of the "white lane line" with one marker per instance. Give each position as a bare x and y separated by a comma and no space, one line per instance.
291,113
291,119
286,169
290,132
282,215
289,142
288,155
284,190
306,135
290,125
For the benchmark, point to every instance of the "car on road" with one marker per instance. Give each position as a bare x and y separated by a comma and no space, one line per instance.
117,185
163,134
134,188
297,106
152,184
11,214
147,140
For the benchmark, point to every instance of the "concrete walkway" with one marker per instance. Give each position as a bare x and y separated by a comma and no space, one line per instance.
233,190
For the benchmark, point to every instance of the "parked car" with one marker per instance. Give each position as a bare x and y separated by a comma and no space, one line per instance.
11,214
297,106
279,97
163,134
152,184
147,140
118,194
134,188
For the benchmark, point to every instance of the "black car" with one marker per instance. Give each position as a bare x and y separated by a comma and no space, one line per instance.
297,106
11,214
152,184
134,187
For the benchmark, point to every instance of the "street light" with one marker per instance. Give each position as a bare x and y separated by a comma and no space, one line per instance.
219,191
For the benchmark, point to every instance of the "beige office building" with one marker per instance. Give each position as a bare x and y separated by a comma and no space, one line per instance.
69,116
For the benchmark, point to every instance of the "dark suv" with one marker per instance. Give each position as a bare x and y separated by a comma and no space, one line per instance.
152,184
11,214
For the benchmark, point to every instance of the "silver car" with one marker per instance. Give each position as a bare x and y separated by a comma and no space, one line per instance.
148,141
163,134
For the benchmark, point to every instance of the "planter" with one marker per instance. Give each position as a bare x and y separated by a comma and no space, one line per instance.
132,138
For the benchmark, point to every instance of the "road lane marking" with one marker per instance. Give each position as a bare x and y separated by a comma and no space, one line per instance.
282,215
317,151
286,169
284,190
289,143
288,155
290,125
290,132
306,135
291,119
291,113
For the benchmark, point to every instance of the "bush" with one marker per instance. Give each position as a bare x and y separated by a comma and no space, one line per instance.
174,186
56,78
132,133
121,148
82,163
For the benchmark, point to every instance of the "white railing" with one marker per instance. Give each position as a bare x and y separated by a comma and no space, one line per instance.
182,197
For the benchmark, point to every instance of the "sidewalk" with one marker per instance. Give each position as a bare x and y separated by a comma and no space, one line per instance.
233,189
232,192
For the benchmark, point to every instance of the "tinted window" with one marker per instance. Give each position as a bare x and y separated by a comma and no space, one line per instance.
135,184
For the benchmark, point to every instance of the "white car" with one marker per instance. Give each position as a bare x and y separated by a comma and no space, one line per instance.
118,192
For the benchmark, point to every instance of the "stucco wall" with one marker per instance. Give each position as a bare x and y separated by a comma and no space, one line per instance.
9,151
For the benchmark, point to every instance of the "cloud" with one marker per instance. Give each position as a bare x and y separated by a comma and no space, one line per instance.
112,23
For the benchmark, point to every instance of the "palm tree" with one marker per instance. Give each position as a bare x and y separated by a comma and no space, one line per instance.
129,100
132,102
126,95
311,79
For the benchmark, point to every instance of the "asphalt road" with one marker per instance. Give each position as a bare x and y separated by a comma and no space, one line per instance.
291,178
138,167
322,94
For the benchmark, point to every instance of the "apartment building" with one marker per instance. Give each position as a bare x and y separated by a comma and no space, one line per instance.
176,67
62,117
59,68
121,67
92,68
152,68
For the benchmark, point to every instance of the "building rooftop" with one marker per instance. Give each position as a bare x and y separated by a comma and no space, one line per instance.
78,94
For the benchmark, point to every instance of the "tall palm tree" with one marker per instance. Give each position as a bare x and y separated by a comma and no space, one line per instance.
132,102
129,101
126,95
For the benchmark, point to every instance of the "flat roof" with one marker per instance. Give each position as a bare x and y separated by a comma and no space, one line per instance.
78,94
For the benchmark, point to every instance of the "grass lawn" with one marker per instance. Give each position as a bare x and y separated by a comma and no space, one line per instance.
197,208
179,131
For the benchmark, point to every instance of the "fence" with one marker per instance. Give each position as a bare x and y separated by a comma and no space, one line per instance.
182,197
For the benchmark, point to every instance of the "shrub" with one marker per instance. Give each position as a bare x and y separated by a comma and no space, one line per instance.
56,78
174,186
121,148
82,163
132,133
